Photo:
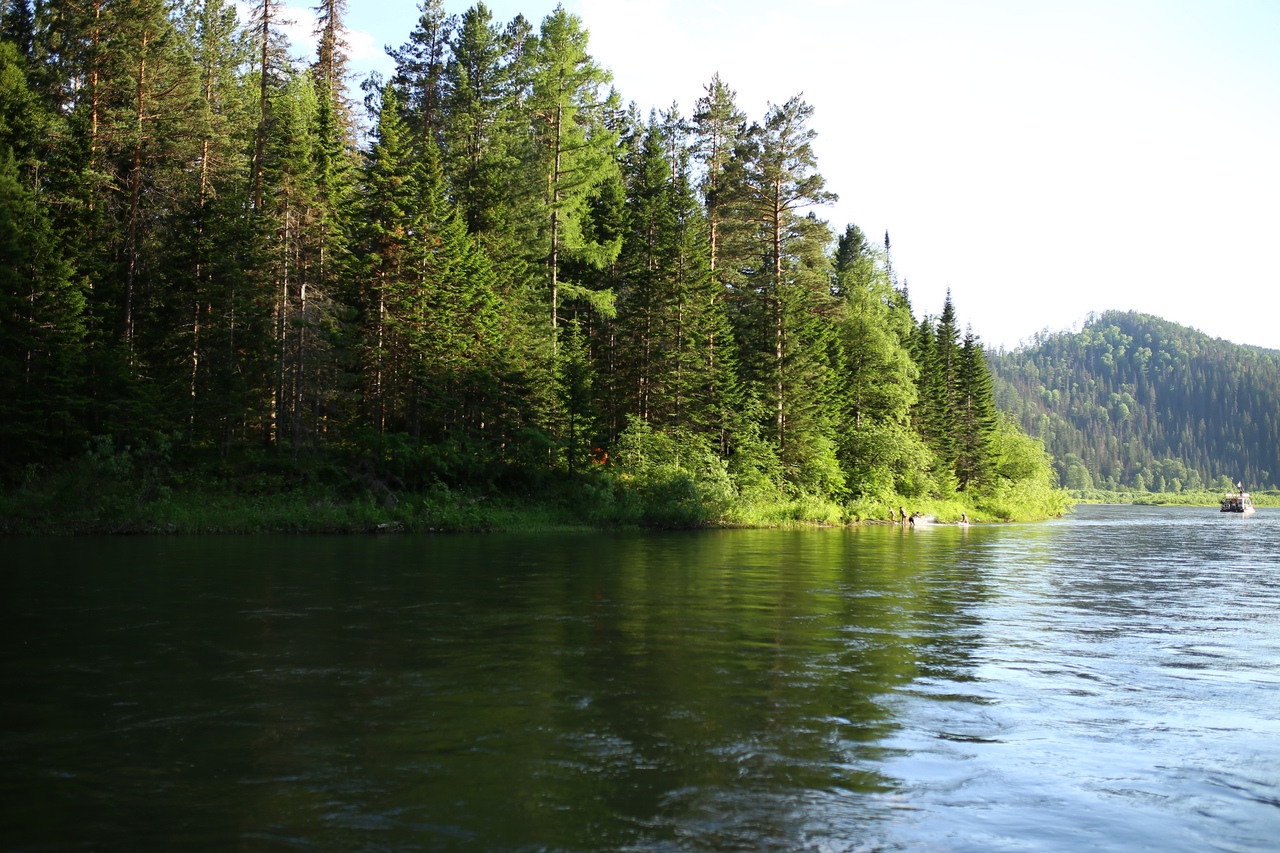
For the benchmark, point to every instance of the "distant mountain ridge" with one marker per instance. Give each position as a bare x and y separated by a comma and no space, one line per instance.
1134,401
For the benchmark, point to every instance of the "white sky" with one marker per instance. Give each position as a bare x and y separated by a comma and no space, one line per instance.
1040,158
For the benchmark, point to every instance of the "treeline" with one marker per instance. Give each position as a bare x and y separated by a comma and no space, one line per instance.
506,273
1133,401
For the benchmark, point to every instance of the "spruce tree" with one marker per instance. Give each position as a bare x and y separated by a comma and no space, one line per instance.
574,155
783,294
704,384
301,247
42,301
331,67
420,68
152,128
646,330
943,388
387,233
271,58
17,25
479,94
976,416
575,390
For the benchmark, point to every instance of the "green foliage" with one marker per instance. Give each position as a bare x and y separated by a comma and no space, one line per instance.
755,467
572,154
1017,499
887,459
1193,497
575,380
345,333
1018,456
680,480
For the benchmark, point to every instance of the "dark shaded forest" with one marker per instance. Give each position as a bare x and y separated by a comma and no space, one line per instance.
490,272
1134,401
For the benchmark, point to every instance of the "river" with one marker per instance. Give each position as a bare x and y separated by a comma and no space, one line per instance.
1109,681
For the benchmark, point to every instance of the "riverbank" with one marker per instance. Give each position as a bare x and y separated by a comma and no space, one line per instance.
582,506
130,494
1199,497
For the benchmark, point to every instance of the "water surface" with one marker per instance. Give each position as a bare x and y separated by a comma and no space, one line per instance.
1108,681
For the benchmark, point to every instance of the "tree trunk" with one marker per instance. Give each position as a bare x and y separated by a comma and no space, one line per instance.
135,197
778,326
260,141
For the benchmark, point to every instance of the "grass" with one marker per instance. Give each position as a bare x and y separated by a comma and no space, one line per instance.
1198,497
112,491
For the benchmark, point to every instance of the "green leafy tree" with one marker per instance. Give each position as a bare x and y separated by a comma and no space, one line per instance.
876,383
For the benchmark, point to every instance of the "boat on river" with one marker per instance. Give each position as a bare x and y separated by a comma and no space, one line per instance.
1238,501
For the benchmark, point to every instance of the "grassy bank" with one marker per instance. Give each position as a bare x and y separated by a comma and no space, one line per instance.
1200,497
112,491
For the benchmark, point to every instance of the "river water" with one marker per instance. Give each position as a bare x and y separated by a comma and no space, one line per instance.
1107,681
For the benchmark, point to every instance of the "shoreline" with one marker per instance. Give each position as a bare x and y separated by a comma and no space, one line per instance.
197,514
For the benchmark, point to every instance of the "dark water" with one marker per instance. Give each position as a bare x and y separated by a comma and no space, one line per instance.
1109,681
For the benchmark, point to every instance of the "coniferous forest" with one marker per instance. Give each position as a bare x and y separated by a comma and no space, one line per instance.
488,275
1133,401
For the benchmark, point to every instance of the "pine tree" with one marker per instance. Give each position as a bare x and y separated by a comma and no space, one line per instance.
717,123
784,289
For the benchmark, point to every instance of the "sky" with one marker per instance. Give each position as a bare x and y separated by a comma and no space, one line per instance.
1040,159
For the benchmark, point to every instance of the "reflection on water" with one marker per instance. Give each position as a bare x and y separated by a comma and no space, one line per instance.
1107,681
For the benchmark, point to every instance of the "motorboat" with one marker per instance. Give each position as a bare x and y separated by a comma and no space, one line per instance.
1238,501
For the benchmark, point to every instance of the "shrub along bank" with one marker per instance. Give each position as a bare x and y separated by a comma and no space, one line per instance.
652,481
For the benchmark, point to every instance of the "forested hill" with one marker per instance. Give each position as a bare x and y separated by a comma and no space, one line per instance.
1135,401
